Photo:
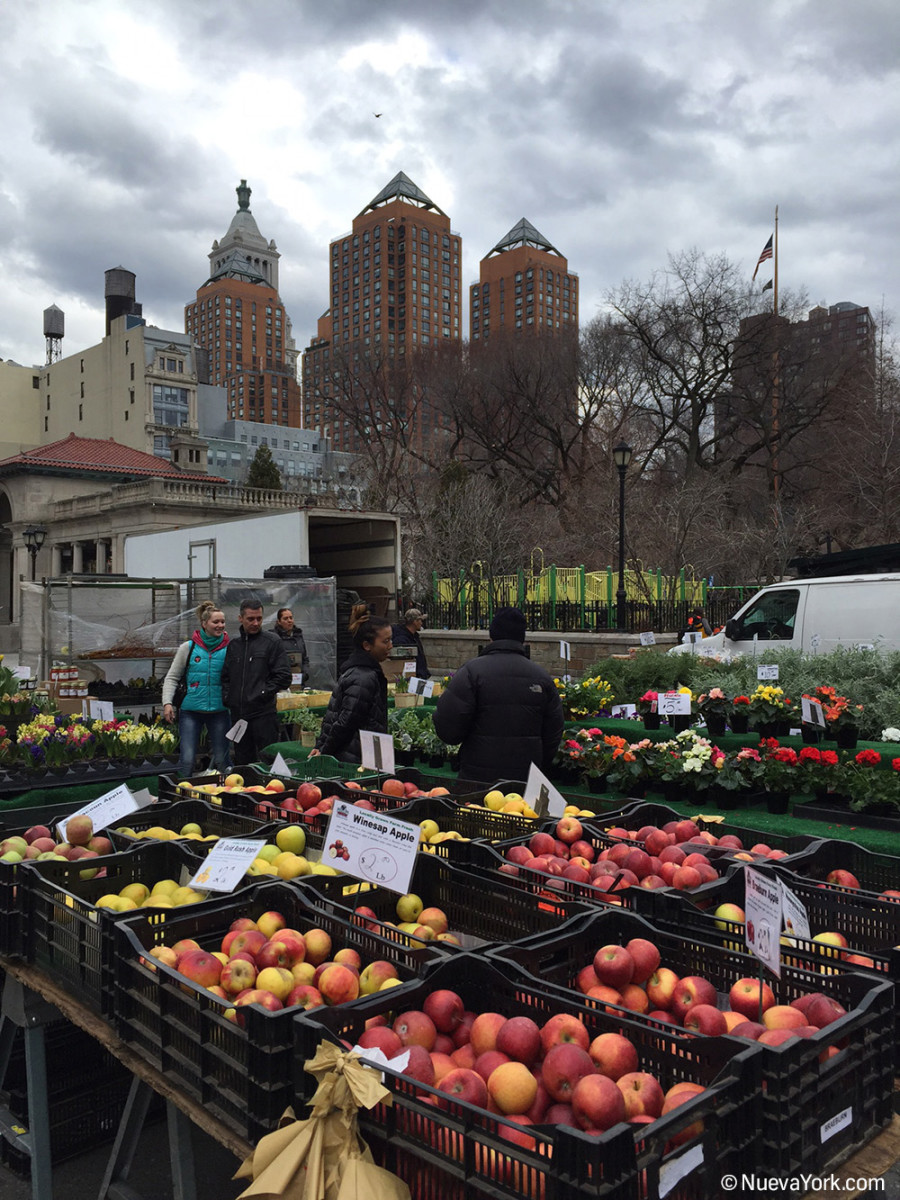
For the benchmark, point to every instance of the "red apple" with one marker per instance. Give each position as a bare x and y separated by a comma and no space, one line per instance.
661,987
564,1028
645,957
415,1028
705,1019
445,1008
562,1068
642,1093
691,990
485,1027
597,1102
744,997
821,1012
569,830
748,1029
614,966
462,1084
838,877
614,1055
520,1039
379,1038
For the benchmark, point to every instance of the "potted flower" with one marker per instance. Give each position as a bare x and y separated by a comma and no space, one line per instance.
770,709
820,770
683,721
310,725
874,789
403,697
739,716
648,708
629,769
782,774
735,776
714,706
586,697
841,715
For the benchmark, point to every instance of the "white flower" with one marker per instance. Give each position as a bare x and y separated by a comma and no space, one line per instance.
891,734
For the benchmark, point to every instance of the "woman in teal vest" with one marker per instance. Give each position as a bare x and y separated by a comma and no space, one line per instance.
198,663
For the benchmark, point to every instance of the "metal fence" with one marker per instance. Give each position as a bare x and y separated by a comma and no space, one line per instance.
573,600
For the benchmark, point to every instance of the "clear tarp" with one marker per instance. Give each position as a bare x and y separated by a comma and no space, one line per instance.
132,628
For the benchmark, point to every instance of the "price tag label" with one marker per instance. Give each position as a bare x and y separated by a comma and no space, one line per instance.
691,638
648,639
623,710
812,713
794,915
98,710
674,704
541,795
421,687
762,928
226,864
767,671
409,668
237,731
371,846
428,689
565,651
279,766
110,808
296,679
377,750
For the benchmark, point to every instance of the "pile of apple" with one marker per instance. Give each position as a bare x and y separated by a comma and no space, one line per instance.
40,843
570,855
413,918
264,962
830,942
655,839
632,977
555,1073
191,831
505,802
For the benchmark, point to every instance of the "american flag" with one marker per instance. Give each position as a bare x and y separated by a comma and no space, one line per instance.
767,253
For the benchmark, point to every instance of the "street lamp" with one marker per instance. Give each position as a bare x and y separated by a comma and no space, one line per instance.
34,538
621,457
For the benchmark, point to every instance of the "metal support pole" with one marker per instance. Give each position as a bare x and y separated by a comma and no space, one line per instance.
620,593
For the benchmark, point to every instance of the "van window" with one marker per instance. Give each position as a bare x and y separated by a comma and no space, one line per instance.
772,617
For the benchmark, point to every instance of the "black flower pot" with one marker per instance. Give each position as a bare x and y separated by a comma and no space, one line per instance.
651,720
846,737
436,760
777,802
811,734
596,783
722,798
680,722
715,725
767,729
739,722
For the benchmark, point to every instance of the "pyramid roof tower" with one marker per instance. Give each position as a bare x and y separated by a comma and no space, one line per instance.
523,234
402,187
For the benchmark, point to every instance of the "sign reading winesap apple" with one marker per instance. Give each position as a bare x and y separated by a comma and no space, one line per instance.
371,846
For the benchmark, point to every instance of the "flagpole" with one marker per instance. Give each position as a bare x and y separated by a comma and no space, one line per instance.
775,377
775,257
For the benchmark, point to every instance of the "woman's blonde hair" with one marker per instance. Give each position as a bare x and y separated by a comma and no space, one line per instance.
205,611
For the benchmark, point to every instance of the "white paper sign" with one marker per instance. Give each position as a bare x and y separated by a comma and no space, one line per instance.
371,846
674,704
674,1169
812,713
106,810
691,638
565,651
421,687
409,668
794,915
623,710
377,750
762,928
767,671
428,689
22,672
541,795
865,645
226,864
237,731
297,679
836,1123
98,710
648,639
279,766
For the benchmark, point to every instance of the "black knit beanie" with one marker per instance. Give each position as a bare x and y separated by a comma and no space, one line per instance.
508,625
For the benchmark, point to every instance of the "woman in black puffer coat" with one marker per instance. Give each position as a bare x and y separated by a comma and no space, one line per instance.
360,699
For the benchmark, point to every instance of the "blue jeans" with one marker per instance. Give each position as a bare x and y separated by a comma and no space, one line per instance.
190,726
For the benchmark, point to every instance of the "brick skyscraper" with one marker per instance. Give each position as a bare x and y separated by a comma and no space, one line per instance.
524,287
394,289
239,320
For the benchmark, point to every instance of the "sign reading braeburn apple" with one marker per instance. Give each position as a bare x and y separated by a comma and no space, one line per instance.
762,929
110,808
371,846
226,864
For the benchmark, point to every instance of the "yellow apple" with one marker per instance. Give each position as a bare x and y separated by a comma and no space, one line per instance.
291,838
409,907
234,781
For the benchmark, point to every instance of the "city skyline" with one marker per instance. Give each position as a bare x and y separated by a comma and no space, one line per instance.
622,133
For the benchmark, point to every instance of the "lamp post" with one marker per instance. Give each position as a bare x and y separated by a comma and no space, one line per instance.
621,457
34,538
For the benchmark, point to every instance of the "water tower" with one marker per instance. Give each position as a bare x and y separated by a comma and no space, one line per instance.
119,295
54,332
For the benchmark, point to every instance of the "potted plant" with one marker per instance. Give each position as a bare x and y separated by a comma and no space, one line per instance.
841,715
734,779
403,697
310,725
739,716
781,774
872,788
648,709
683,721
770,709
714,706
821,771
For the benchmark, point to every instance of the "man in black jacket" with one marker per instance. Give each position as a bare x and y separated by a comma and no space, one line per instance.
407,634
503,708
256,669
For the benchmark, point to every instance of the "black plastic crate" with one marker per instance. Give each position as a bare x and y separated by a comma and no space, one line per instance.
68,936
460,1153
804,1092
876,872
240,1074
480,911
213,819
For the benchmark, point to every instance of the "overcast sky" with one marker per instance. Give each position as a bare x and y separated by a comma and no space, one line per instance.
623,131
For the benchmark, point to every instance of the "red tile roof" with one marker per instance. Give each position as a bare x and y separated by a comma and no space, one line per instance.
105,457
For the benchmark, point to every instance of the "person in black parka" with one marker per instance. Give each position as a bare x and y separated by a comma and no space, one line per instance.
255,670
502,708
360,699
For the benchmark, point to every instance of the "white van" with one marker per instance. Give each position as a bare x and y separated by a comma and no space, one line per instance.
813,615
